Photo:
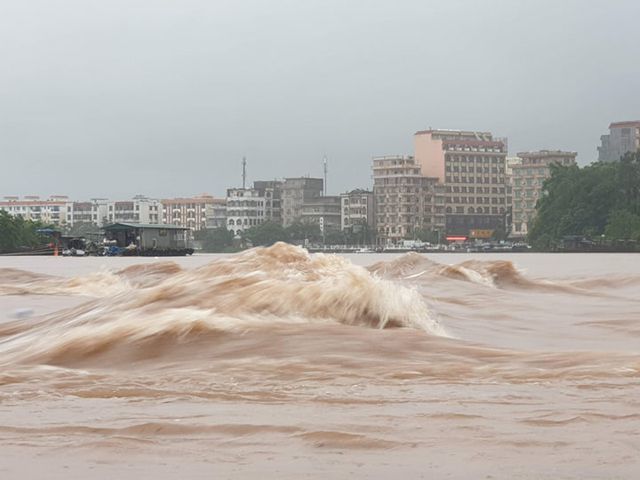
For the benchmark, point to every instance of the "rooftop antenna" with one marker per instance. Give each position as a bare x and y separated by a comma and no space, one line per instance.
325,175
244,172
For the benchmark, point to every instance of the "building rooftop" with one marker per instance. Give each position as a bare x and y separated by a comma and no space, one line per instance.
128,226
457,133
357,191
631,123
547,153
204,198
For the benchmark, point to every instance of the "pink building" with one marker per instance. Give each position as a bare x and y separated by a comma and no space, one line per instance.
472,167
197,213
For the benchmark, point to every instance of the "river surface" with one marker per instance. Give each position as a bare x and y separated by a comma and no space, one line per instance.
274,363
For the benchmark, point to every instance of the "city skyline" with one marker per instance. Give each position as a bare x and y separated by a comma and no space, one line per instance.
164,99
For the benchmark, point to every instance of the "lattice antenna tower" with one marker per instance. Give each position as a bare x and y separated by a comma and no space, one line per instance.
244,172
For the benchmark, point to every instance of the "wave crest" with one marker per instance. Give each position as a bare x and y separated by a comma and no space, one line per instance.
257,288
493,273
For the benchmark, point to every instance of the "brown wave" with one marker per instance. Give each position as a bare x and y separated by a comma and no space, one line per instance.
15,275
500,274
495,273
153,307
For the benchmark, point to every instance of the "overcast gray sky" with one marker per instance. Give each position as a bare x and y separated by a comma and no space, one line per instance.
164,97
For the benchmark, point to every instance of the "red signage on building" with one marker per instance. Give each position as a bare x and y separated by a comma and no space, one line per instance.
456,238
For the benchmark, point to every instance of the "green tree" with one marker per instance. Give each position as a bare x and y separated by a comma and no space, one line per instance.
575,201
298,232
602,198
428,235
266,234
17,234
334,236
623,225
629,182
215,240
358,234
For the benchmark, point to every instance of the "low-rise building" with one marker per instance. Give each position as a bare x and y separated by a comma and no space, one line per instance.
149,239
527,179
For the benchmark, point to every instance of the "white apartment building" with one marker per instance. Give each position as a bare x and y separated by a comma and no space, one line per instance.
95,211
54,210
140,209
246,208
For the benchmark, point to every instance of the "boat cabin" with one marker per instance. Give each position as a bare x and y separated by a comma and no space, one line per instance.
149,239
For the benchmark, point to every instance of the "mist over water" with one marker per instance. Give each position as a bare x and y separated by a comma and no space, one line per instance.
277,363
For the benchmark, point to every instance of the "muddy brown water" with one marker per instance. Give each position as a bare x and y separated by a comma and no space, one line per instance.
278,364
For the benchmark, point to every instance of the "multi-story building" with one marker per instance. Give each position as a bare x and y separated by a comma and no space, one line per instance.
406,201
296,192
58,210
54,210
527,179
219,218
248,207
472,166
511,161
357,210
95,211
245,209
324,211
623,137
140,209
196,213
271,190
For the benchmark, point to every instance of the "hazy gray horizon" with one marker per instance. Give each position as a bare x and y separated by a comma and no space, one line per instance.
164,98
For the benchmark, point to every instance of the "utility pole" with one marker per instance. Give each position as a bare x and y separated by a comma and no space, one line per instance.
325,175
244,172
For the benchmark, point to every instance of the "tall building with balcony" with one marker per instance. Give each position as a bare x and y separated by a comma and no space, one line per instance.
357,211
527,179
196,213
295,193
472,167
623,137
54,210
406,201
